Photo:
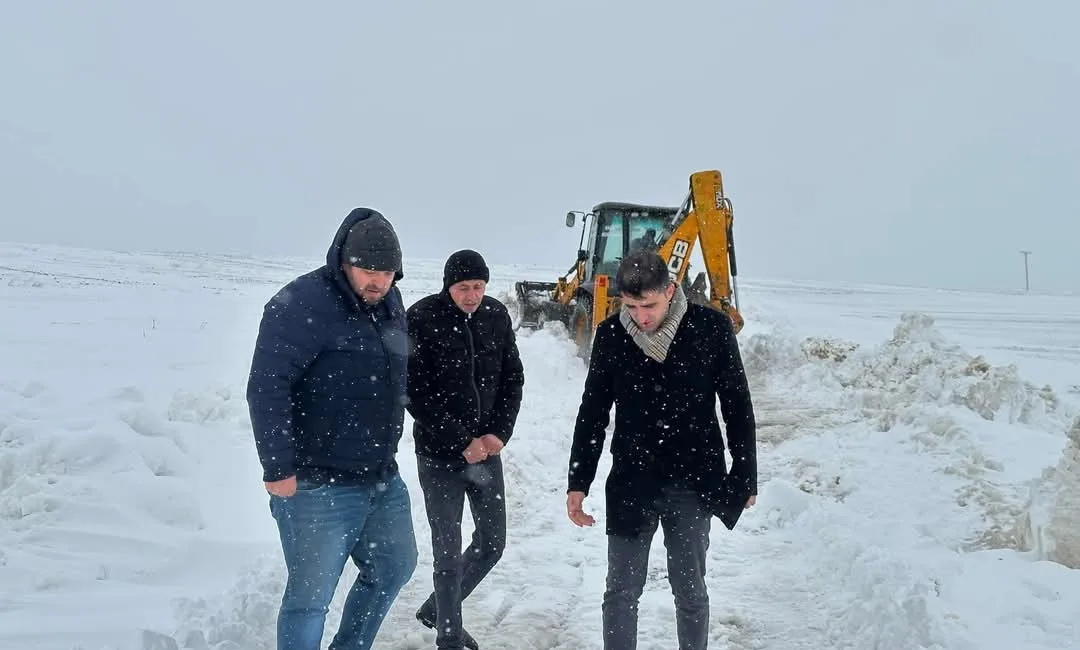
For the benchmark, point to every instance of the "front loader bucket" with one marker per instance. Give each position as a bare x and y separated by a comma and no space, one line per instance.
535,304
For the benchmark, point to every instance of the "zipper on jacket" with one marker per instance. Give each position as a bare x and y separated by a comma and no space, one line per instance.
382,342
472,369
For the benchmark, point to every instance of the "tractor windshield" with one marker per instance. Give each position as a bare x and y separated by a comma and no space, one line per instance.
645,229
621,232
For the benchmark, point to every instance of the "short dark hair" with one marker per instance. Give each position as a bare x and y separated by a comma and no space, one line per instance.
640,272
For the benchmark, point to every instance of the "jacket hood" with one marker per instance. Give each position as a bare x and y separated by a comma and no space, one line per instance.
334,255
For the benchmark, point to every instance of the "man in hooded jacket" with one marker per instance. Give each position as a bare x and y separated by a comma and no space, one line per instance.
326,394
465,387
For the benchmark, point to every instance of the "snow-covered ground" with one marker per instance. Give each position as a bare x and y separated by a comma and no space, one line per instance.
919,488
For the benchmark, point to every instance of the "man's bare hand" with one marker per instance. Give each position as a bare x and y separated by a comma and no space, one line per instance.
574,511
286,487
492,444
751,501
475,452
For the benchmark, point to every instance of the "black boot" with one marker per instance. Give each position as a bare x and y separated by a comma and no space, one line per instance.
428,620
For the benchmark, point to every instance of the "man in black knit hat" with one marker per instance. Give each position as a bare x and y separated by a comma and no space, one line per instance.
326,395
465,386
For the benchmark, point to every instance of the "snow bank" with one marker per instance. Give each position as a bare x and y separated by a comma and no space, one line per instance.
888,469
245,616
1050,526
124,470
896,382
116,496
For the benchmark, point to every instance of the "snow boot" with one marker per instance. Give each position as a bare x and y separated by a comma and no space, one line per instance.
428,621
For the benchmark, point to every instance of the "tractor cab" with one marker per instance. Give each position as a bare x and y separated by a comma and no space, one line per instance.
615,230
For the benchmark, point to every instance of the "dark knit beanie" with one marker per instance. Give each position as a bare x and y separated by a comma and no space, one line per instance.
464,265
372,244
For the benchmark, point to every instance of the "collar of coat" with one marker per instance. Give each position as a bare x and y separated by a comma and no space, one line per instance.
655,344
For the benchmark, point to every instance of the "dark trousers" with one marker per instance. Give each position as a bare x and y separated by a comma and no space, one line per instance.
686,524
456,574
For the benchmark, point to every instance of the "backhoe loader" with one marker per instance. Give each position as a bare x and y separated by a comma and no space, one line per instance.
584,296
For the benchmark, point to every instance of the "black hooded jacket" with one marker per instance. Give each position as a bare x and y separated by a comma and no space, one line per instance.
465,375
326,390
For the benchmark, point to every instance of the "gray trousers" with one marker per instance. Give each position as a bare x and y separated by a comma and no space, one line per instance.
457,573
686,524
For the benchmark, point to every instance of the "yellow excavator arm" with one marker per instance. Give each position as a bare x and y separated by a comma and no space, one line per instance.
706,216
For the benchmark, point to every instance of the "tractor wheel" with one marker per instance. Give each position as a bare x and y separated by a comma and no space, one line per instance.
581,326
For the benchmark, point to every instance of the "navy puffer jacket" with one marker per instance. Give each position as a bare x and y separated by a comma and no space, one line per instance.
326,391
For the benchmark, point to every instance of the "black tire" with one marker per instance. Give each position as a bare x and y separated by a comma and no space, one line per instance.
581,326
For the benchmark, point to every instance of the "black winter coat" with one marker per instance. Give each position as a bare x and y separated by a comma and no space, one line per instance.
326,391
666,427
465,375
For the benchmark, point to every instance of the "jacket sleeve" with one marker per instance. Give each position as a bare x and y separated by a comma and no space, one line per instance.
286,345
736,407
511,381
422,391
593,416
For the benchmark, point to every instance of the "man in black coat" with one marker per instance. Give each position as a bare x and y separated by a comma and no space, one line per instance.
663,363
326,395
465,386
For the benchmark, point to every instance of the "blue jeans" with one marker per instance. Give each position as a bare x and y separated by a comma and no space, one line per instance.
321,527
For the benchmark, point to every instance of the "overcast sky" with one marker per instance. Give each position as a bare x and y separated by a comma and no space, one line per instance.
916,142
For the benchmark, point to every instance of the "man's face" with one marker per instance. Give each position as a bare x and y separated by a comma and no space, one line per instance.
649,309
371,286
467,294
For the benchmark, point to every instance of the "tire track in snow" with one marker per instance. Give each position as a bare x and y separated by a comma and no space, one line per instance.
760,598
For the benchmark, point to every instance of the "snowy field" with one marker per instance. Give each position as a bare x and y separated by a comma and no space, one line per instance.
920,487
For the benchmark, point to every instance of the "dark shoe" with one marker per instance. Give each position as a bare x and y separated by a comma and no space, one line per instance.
466,638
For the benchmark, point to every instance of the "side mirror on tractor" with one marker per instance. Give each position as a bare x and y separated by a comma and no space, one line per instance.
570,219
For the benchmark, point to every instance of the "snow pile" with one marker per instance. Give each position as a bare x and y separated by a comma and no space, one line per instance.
882,463
918,367
949,401
1051,524
117,496
218,404
76,467
896,382
244,617
855,584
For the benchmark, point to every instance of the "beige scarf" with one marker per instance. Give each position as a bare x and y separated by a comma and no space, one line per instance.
655,344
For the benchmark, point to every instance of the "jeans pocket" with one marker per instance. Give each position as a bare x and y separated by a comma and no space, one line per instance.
308,486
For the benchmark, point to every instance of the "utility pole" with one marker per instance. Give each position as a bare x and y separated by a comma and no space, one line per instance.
1027,285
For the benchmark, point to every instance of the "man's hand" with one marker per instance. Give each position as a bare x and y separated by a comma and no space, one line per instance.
492,444
475,452
574,511
751,501
286,487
